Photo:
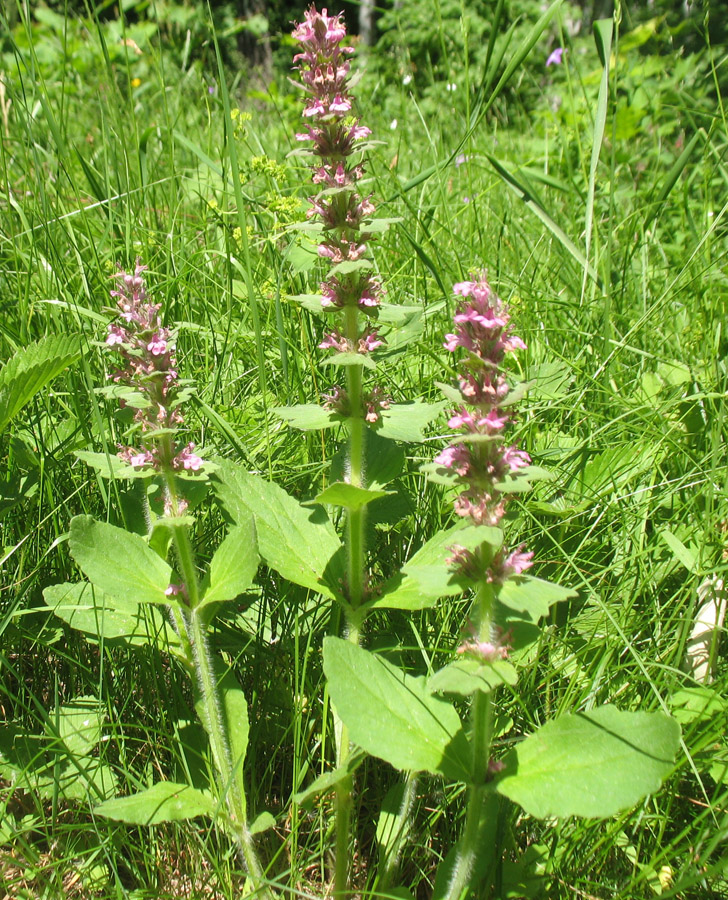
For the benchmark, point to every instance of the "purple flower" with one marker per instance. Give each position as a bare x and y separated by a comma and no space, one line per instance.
147,351
480,461
186,459
555,57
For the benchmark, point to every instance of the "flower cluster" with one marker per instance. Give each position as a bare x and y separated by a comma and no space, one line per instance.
480,459
335,136
148,351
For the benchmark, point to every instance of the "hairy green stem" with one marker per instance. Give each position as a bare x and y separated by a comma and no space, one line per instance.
355,545
482,732
231,782
195,630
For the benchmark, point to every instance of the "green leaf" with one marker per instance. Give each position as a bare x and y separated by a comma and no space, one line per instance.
383,461
680,551
532,595
97,615
465,676
392,715
697,703
119,563
234,564
348,495
262,823
306,416
31,369
349,359
296,541
351,265
235,712
426,576
163,802
407,421
78,724
110,466
594,763
326,782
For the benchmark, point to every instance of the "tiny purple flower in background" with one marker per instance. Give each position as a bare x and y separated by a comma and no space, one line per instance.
211,89
460,160
555,57
148,352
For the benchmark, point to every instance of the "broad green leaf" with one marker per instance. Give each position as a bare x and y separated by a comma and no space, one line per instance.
407,421
262,823
163,802
465,676
307,416
351,265
702,702
349,359
594,763
296,541
532,595
234,564
326,782
43,765
383,461
426,576
78,724
97,615
348,495
392,715
119,563
31,369
110,466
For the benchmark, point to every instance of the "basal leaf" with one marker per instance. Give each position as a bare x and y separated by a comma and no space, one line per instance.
119,563
392,715
163,802
593,763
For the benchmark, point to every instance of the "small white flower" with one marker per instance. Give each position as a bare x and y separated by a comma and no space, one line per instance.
393,125
452,87
407,79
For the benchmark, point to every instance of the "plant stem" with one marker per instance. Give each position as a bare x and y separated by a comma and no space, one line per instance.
231,782
356,517
355,543
482,732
